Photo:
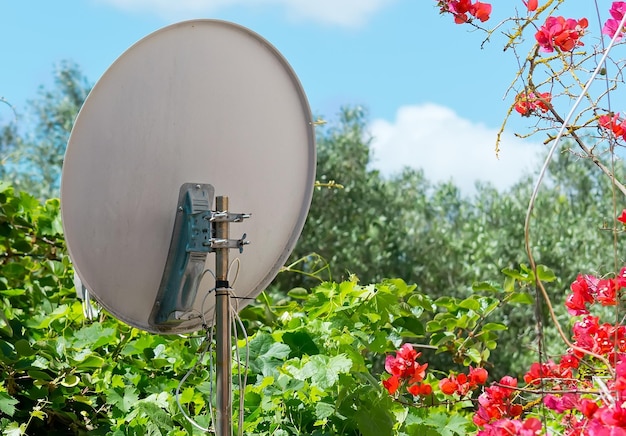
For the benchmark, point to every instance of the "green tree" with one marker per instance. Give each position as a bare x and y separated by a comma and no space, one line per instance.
404,226
33,147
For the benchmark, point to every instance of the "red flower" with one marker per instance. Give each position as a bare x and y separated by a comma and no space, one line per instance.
607,292
587,407
461,383
568,361
622,217
528,102
561,33
419,372
403,365
495,403
461,8
613,123
548,370
404,368
392,384
420,389
448,385
477,376
531,5
581,295
481,11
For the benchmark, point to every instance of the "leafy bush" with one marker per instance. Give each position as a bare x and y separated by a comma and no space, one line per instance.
316,357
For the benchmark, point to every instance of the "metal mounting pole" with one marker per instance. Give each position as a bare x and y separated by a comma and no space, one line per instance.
223,327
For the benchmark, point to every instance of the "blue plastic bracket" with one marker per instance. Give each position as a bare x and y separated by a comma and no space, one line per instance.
189,246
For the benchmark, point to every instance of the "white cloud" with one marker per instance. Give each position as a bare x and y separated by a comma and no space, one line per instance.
348,13
446,147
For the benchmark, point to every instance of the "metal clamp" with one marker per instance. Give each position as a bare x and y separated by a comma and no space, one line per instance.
217,217
215,243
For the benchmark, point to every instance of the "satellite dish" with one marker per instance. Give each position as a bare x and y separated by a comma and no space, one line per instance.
201,104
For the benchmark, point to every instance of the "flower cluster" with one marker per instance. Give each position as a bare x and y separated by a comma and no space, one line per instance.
617,11
508,427
405,369
462,384
587,290
527,103
496,402
464,10
570,389
561,33
614,124
586,387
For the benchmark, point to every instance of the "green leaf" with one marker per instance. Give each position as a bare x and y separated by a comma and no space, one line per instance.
298,293
473,355
125,401
94,336
422,430
374,420
323,410
518,275
323,371
90,362
23,348
493,326
486,286
266,354
13,270
12,292
39,375
300,343
545,274
5,326
7,404
411,324
15,429
449,424
70,380
157,415
521,297
470,303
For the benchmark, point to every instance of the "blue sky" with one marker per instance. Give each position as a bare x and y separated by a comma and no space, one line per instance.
435,99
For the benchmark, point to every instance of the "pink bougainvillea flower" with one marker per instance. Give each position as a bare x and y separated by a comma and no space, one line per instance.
561,403
509,427
531,5
611,25
561,33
